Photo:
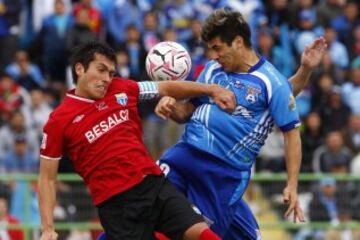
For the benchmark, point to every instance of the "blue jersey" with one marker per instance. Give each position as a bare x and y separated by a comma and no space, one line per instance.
263,96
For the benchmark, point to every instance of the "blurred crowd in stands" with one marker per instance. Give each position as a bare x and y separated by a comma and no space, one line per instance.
36,38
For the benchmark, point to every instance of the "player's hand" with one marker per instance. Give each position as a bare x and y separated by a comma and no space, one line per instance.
49,235
291,198
165,107
224,98
313,53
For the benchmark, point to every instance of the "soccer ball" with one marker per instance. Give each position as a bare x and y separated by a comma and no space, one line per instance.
168,61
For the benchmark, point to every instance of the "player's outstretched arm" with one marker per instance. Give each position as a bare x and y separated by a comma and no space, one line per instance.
293,160
224,98
47,197
178,111
310,59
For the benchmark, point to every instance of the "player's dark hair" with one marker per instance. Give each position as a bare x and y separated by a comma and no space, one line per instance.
226,24
85,53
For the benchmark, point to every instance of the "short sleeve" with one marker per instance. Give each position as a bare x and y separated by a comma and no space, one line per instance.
52,141
283,108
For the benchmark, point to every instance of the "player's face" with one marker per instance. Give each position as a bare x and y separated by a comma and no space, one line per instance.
226,55
95,80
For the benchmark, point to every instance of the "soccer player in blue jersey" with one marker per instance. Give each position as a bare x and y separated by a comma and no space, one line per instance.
212,162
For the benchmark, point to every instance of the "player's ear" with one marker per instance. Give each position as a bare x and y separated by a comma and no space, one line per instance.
238,42
79,69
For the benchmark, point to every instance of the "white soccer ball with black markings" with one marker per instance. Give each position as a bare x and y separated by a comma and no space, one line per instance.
168,61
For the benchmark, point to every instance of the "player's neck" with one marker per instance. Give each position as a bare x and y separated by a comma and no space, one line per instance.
248,59
78,92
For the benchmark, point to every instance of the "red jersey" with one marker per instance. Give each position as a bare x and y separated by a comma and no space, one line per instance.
103,138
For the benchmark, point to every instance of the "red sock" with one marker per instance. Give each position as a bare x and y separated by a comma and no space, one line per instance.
207,234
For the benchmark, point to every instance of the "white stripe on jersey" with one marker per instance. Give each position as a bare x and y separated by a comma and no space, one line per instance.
210,70
202,114
262,128
267,82
50,158
148,90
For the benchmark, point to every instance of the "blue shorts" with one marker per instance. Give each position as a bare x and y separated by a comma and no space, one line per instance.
215,188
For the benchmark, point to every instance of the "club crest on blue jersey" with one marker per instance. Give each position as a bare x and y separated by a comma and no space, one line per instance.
292,103
252,94
121,98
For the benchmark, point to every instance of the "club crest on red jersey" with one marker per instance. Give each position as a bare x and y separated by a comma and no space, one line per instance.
121,98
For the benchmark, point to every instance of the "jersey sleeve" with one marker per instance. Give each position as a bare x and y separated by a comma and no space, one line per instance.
52,141
282,108
148,90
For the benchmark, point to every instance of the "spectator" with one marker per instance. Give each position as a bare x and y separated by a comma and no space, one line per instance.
80,32
321,91
335,113
333,156
16,126
178,15
346,22
25,73
337,50
123,66
94,15
354,48
122,14
136,50
197,50
150,33
51,40
20,159
5,220
329,68
37,113
351,90
352,133
307,30
277,55
329,205
328,10
9,29
12,96
42,9
311,139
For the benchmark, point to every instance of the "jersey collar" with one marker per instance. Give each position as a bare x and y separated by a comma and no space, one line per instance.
257,65
71,94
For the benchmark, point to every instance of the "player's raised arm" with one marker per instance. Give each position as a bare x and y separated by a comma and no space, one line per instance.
224,98
47,197
310,59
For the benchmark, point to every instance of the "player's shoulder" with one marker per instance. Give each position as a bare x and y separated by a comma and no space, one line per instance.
212,65
60,113
268,74
121,84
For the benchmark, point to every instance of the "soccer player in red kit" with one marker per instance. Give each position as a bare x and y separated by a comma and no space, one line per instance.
98,126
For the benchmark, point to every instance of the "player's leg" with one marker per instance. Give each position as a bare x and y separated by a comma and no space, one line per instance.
243,225
177,218
210,184
129,215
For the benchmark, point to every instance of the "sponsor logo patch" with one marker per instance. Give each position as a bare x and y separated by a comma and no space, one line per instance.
292,104
121,98
43,141
252,94
78,118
